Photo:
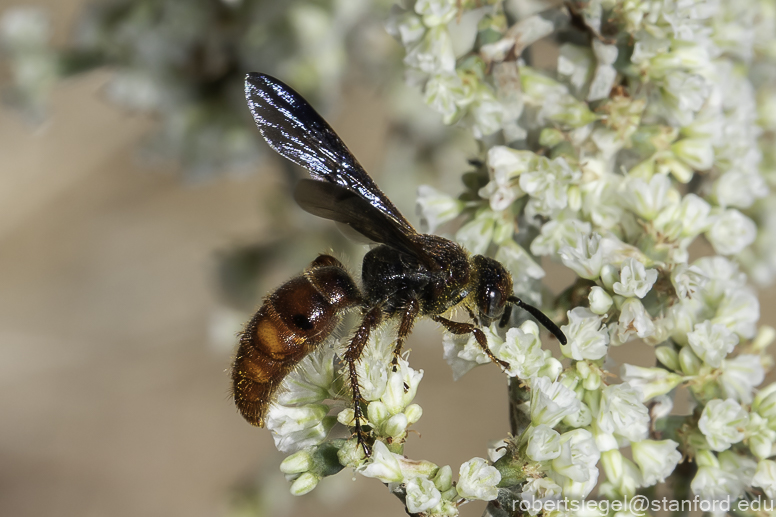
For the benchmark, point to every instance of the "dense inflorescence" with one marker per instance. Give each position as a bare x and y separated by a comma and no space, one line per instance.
652,129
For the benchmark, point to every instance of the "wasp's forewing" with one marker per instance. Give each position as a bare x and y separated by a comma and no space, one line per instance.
296,131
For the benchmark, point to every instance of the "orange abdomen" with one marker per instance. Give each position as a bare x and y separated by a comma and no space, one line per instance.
292,322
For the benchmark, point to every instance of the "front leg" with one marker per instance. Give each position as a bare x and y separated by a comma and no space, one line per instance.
370,321
458,328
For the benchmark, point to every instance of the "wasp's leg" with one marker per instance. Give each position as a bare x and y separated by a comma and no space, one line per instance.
467,328
405,327
371,319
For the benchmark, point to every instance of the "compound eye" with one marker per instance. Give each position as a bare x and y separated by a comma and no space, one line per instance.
495,304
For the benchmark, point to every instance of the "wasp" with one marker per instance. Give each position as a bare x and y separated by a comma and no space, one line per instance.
407,275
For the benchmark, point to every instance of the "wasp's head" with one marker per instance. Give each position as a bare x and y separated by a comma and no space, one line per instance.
494,287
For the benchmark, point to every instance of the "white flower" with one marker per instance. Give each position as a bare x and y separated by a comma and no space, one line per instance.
633,320
652,382
646,199
765,404
497,449
557,234
656,459
543,443
436,208
714,484
739,189
723,478
548,184
694,215
405,26
311,381
698,153
623,413
539,491
635,279
433,53
383,465
522,349
605,74
462,353
505,165
585,258
446,94
723,423
731,232
687,280
739,311
577,460
622,475
759,436
551,401
295,428
401,387
436,12
422,495
765,477
587,339
518,262
478,480
477,233
711,342
740,376
486,111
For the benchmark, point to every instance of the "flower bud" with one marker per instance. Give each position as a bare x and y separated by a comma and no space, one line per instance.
443,479
377,412
413,413
304,483
689,362
300,461
396,425
600,301
668,357
581,418
351,454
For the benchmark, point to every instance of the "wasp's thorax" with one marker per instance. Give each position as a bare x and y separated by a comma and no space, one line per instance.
492,288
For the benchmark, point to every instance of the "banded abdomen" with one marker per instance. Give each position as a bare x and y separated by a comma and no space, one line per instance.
292,322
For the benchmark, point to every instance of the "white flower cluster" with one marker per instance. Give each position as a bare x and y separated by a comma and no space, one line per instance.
658,132
613,164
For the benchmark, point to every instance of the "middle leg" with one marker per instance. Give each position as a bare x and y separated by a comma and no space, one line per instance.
405,327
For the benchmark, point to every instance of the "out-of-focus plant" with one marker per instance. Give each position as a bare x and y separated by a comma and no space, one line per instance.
653,129
185,61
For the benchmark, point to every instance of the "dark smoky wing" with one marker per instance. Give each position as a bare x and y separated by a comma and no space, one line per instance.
297,132
337,203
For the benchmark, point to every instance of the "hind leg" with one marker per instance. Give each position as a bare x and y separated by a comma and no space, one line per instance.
370,321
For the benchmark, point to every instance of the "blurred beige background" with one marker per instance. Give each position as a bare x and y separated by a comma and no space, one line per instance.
113,398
